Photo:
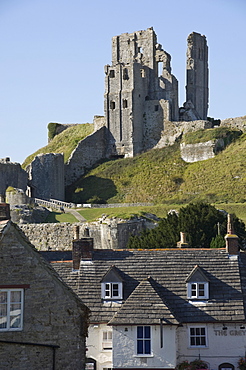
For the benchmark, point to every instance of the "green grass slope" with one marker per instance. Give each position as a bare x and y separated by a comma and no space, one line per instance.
65,142
161,176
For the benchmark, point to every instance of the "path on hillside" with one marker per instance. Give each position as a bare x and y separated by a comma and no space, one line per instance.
75,214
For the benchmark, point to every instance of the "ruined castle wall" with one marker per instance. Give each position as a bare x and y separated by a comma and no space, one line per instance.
106,234
11,174
88,152
98,122
201,151
174,131
197,73
46,176
237,122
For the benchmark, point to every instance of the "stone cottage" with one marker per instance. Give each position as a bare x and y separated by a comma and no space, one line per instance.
43,324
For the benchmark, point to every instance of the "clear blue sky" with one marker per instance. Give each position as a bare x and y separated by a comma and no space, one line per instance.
53,54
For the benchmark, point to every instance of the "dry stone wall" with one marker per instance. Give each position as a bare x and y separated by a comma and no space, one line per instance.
107,234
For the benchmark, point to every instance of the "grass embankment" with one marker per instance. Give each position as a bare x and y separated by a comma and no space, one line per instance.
92,214
55,217
64,143
161,176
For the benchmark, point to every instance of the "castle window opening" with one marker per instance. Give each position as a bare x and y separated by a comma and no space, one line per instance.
124,103
112,104
156,108
125,74
160,68
112,73
142,71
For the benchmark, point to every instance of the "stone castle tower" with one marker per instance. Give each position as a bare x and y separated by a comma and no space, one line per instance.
141,94
197,74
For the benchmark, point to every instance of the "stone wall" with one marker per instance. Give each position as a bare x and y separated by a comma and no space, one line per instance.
11,174
107,234
237,122
88,152
53,315
201,151
46,176
174,131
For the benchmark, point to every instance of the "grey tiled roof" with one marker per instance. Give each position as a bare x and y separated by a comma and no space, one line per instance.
164,295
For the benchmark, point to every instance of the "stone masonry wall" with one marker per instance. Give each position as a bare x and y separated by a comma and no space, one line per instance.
174,130
88,152
46,176
52,313
201,151
107,234
237,122
11,174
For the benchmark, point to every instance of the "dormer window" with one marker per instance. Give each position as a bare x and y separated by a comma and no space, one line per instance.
197,284
112,285
112,290
198,290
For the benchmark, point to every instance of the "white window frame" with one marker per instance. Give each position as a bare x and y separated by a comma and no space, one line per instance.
8,309
144,339
198,335
107,339
194,290
108,290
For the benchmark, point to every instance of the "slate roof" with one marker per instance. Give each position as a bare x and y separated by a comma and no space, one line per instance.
154,285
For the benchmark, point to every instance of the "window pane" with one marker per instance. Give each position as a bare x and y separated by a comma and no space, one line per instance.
192,341
193,290
109,335
107,290
15,321
104,335
140,331
147,332
203,341
147,347
192,331
203,331
115,290
3,297
201,292
140,346
15,296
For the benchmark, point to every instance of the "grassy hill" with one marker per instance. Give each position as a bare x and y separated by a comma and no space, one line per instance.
65,142
161,176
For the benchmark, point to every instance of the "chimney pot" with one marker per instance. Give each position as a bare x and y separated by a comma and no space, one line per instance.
182,243
232,246
76,232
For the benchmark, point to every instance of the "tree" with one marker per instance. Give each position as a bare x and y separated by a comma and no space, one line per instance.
199,221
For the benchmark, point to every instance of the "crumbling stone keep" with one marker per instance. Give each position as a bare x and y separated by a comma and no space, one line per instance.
197,78
134,87
141,93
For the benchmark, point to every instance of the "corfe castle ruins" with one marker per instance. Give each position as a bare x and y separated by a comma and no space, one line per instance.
141,112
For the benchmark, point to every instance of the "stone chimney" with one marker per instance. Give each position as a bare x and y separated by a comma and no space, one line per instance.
4,211
232,246
82,250
182,243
